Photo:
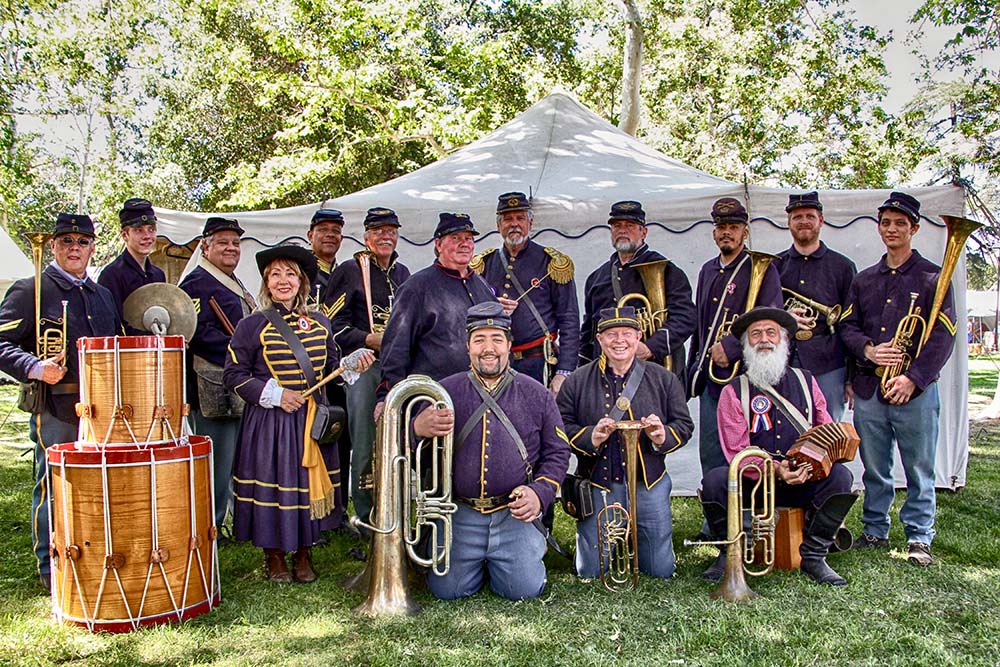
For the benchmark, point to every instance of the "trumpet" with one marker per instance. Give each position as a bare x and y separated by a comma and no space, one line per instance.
617,530
959,230
742,548
811,308
759,261
397,473
51,342
652,311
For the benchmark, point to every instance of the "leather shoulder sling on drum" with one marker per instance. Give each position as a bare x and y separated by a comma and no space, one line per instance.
329,421
577,500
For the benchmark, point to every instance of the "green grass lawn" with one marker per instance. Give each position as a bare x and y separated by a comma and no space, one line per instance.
891,613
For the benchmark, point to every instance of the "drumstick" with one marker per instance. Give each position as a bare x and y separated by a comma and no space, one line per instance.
350,362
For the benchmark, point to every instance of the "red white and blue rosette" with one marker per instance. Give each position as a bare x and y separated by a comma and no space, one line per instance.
760,405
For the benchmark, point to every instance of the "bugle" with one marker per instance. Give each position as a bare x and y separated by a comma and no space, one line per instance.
759,262
741,547
959,230
811,307
51,342
398,470
617,530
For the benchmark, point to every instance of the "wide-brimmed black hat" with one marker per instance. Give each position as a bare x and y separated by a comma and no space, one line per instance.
326,215
488,314
217,224
452,223
627,210
804,200
618,317
782,317
729,209
136,212
904,203
295,253
512,201
70,223
381,217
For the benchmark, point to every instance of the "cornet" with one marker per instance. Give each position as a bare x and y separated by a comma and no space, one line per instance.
811,307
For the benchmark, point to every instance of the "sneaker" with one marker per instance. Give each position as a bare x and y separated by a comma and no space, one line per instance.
866,541
919,553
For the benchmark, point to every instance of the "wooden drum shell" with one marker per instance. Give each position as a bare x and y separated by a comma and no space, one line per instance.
132,362
157,508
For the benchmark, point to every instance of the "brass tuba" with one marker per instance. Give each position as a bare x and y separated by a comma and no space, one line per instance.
617,530
959,230
759,261
652,310
796,300
396,529
741,548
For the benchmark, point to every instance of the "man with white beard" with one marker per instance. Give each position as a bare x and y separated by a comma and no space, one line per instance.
754,411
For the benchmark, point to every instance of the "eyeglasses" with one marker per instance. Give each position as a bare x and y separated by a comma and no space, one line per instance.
69,242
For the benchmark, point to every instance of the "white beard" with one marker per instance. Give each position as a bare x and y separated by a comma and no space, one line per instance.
766,368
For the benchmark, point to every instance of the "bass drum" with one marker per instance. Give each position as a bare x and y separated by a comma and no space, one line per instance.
131,389
133,535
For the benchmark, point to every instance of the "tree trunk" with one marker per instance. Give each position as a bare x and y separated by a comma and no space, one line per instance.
631,67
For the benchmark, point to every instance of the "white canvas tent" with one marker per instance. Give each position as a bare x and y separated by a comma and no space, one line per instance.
575,164
13,263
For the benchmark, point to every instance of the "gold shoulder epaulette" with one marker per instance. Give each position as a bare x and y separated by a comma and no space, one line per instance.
560,266
478,263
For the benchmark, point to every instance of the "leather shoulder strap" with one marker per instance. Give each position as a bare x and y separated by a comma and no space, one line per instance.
298,349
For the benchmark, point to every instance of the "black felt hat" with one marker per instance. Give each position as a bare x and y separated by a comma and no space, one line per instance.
488,314
452,223
380,217
295,253
627,210
618,317
782,317
512,201
326,215
729,209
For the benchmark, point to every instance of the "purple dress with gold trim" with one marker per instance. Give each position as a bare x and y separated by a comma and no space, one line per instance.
270,484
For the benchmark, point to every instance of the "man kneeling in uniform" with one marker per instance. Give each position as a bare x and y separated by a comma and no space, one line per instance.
773,397
504,475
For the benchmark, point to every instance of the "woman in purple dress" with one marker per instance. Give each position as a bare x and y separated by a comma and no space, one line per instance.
285,493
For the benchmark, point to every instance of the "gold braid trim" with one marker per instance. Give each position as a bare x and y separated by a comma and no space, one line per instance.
478,263
560,266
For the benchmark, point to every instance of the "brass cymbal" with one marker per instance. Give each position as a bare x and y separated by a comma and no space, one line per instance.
181,316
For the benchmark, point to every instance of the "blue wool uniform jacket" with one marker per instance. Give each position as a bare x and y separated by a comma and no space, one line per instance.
589,394
426,332
824,276
488,463
90,311
717,282
878,299
681,316
346,305
123,276
557,304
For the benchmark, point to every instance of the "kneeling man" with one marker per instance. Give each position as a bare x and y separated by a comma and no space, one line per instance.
510,455
757,410
613,387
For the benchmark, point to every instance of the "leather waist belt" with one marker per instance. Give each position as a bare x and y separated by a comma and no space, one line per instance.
535,351
57,389
488,503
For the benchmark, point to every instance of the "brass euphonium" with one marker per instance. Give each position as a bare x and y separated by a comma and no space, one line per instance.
398,470
617,530
759,261
652,312
959,230
811,307
741,548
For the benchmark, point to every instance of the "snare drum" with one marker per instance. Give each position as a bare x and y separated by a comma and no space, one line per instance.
131,389
133,535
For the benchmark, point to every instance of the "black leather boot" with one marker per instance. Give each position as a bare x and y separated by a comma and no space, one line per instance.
715,515
819,535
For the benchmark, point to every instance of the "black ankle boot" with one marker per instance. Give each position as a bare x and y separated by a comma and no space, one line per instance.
819,535
715,515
